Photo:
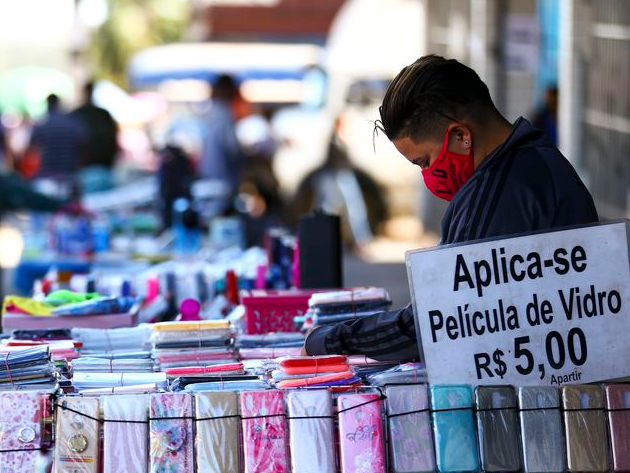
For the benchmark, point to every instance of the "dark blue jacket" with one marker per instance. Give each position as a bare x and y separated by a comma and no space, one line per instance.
525,185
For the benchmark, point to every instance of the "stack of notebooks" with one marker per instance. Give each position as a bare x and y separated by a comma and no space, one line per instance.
303,371
231,376
27,366
328,308
113,340
132,362
268,346
194,343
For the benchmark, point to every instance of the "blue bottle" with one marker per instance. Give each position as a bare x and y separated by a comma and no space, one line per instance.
454,429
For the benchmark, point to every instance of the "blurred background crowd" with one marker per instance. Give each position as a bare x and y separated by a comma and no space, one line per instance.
265,108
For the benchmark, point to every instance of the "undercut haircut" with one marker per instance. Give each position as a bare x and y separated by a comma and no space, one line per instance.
426,95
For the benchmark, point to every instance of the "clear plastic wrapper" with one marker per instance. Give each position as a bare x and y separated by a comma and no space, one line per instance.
311,440
21,420
408,373
89,364
585,428
110,380
542,433
125,445
361,433
264,438
454,428
267,353
171,447
618,405
217,440
110,340
497,427
410,434
227,386
77,436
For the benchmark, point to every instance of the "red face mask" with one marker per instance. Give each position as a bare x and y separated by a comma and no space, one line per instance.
448,172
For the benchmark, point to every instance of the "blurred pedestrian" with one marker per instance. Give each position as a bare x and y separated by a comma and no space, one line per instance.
101,145
176,175
221,155
546,117
59,140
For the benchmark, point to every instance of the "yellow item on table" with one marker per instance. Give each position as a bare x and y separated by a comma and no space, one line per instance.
26,305
191,325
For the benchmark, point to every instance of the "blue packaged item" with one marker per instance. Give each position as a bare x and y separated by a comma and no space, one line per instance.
454,428
104,305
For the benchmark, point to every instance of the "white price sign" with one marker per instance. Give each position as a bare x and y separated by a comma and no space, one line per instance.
543,309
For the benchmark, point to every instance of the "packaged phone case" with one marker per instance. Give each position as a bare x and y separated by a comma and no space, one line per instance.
77,436
21,419
585,425
410,435
454,428
171,433
497,427
361,433
542,434
125,445
217,440
618,405
264,432
311,440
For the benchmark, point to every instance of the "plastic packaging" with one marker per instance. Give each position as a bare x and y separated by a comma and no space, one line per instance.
542,435
585,424
171,447
410,435
21,420
454,428
311,440
408,373
361,433
217,440
77,436
497,427
618,405
125,446
264,432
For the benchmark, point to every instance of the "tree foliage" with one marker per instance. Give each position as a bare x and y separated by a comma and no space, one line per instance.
131,26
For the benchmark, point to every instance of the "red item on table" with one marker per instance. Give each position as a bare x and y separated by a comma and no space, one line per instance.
192,370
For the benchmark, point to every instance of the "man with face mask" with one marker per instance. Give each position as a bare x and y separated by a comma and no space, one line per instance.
501,179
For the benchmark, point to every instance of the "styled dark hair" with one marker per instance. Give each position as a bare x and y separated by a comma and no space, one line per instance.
427,94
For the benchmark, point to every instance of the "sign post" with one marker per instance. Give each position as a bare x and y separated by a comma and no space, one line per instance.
543,309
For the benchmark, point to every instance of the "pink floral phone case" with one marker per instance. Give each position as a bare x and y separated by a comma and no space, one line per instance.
21,420
171,449
361,433
264,438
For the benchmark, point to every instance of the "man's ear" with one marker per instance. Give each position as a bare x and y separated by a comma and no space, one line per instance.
460,139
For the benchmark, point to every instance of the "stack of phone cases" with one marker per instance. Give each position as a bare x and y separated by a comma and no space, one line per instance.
410,434
361,433
77,435
125,444
311,431
171,433
218,434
